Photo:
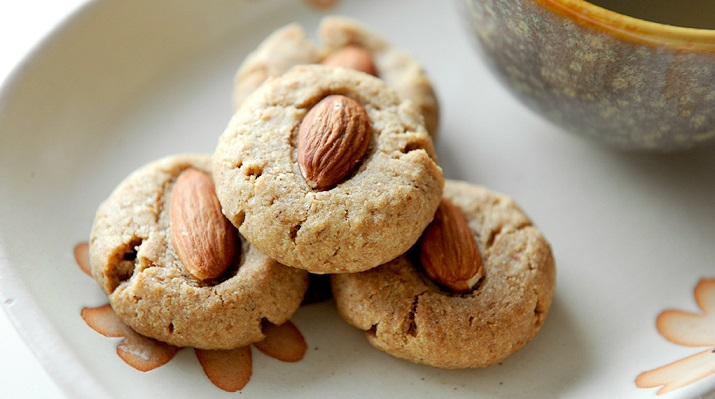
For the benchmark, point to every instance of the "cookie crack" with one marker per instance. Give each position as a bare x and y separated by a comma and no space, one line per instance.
372,331
412,330
412,326
239,218
493,234
497,232
295,230
125,263
539,311
523,225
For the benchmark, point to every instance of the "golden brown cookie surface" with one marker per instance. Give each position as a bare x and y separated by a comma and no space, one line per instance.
135,263
409,316
289,46
373,215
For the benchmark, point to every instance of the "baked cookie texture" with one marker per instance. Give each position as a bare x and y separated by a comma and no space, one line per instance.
133,261
289,46
374,215
408,316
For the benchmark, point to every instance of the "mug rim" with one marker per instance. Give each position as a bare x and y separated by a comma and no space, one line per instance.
631,28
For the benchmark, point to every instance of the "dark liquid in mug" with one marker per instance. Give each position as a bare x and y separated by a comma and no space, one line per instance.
687,13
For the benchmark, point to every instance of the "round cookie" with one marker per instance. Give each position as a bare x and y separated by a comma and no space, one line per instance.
133,260
289,46
372,216
408,316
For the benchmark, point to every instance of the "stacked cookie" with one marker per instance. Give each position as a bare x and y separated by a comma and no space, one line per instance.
175,271
345,43
326,168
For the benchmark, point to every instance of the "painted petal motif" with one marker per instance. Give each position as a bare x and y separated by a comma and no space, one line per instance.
705,295
136,350
678,374
686,329
692,329
283,342
229,370
81,256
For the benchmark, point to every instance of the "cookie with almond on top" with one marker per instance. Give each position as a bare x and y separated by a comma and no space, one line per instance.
341,42
328,170
176,270
475,289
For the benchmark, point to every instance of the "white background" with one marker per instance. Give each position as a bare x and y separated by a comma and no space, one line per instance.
23,24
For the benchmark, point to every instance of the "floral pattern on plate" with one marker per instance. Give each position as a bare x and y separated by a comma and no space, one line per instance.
229,370
687,329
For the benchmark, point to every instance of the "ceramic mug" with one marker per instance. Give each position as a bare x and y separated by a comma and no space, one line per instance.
629,82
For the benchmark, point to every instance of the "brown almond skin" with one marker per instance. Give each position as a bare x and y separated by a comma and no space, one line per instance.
354,57
203,238
448,252
333,137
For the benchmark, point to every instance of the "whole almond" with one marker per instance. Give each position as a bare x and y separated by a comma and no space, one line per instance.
354,57
203,238
448,252
332,139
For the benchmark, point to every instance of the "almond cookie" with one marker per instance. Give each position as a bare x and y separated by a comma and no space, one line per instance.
408,315
174,271
327,170
345,43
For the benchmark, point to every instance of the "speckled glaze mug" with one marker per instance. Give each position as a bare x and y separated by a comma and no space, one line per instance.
629,82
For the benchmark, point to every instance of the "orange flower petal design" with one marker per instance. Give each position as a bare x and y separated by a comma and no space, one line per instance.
692,329
283,342
81,256
229,370
104,321
686,329
705,295
678,374
136,350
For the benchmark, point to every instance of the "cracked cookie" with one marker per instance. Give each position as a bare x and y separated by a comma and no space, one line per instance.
175,272
406,314
328,170
345,43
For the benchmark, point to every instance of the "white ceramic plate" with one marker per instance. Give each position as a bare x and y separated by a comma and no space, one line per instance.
126,82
